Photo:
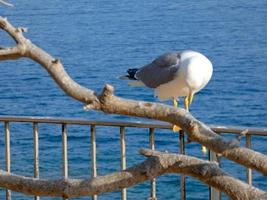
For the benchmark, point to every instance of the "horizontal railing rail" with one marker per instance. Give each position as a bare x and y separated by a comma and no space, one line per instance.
64,122
143,124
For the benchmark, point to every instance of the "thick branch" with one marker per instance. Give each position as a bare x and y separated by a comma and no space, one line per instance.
107,102
196,130
157,164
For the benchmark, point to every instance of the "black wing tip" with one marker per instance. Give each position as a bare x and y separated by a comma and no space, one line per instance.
131,73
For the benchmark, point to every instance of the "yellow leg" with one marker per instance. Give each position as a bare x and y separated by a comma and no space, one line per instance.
191,96
175,128
175,103
186,103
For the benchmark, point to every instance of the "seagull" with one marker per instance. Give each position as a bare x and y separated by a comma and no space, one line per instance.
173,75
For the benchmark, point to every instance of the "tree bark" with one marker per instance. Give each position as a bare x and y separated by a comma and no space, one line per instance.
157,163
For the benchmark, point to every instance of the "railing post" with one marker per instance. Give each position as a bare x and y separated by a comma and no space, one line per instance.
65,151
93,154
249,170
214,194
7,154
123,158
182,177
36,153
153,181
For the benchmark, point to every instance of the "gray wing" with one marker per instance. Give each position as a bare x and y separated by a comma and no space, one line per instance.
160,71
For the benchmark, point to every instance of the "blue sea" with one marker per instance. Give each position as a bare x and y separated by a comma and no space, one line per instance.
97,41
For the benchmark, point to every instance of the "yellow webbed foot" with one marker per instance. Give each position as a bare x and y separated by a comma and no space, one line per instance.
204,150
188,101
191,97
176,129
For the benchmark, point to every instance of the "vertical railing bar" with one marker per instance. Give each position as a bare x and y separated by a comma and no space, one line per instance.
152,147
182,177
93,154
123,158
36,152
7,154
249,170
213,193
65,151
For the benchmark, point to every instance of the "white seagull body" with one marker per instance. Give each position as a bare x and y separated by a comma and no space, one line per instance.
194,72
174,74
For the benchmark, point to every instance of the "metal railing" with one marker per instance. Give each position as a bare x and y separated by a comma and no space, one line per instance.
214,194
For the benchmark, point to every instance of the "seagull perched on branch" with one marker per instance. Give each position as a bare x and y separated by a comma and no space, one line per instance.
173,75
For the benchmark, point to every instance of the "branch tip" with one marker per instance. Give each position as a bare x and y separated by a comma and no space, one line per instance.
21,30
56,61
144,152
242,134
3,22
109,88
107,92
149,152
87,107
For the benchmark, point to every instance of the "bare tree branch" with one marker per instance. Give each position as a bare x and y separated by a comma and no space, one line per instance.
6,3
9,53
109,103
157,164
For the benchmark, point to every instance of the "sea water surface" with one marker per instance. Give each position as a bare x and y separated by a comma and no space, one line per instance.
97,41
